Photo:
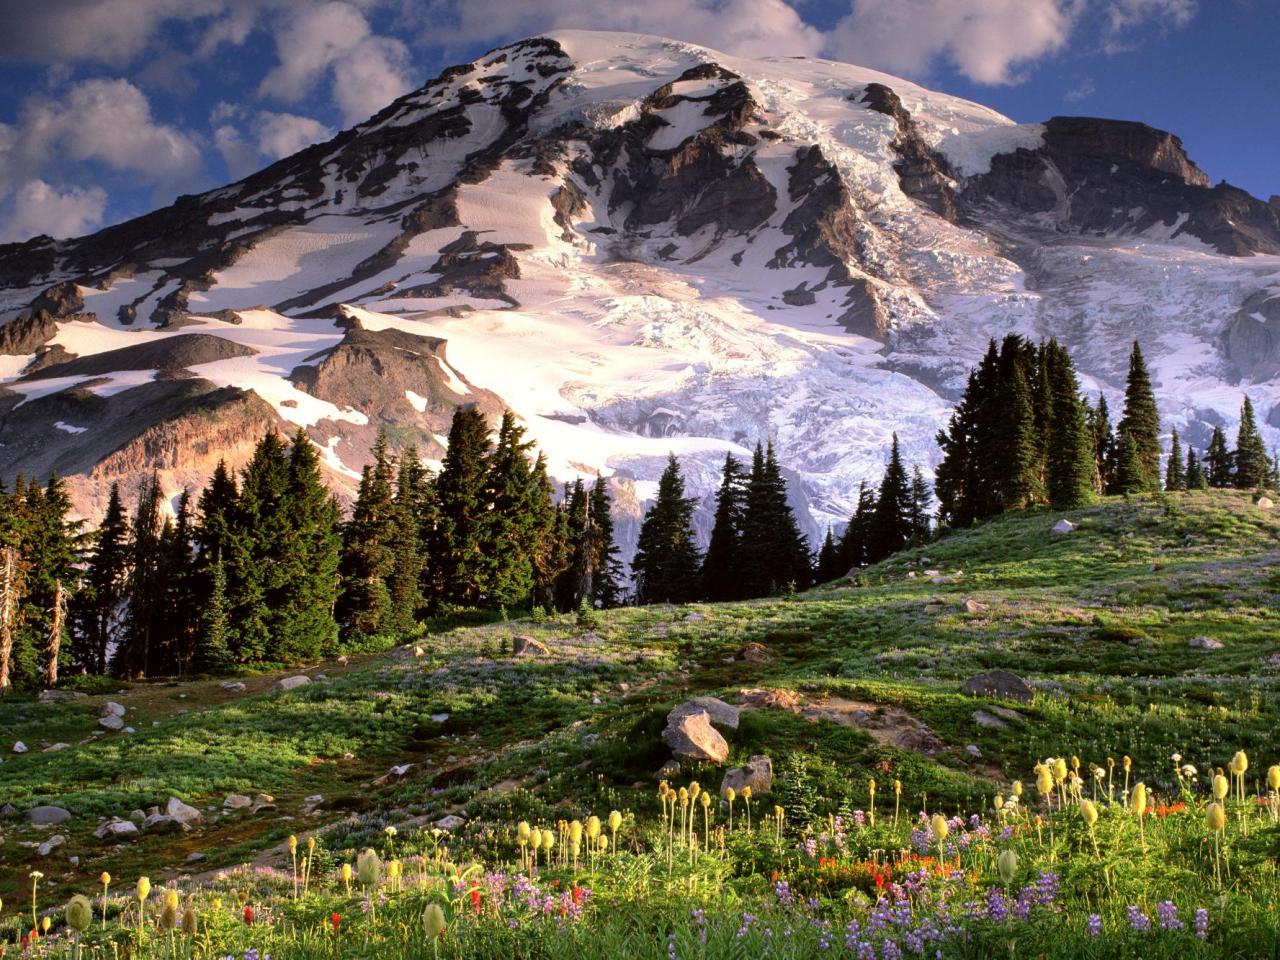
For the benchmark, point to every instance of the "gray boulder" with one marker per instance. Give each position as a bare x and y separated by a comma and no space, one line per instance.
19,747
233,686
46,816
184,813
1001,684
53,696
528,647
159,823
115,828
51,844
1062,527
692,737
291,683
55,747
451,822
723,715
1205,643
111,709
236,801
984,719
111,722
1265,503
756,774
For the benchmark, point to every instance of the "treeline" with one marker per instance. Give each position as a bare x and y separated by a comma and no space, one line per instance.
263,568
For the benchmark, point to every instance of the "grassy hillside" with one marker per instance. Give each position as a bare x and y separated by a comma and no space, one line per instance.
864,675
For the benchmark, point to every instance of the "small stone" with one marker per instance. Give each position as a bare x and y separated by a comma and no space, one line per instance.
1062,527
755,652
236,801
596,701
111,722
116,828
51,844
343,660
184,813
52,696
669,770
74,861
451,822
721,714
911,574
972,750
1265,503
195,857
130,730
233,686
291,683
159,823
440,717
693,616
55,747
111,709
19,747
757,774
692,737
1001,684
528,647
1205,643
984,719
973,606
46,816
137,816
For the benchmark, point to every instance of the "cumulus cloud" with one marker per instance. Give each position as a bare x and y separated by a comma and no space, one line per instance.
39,208
752,28
99,31
108,121
1125,17
986,40
368,71
248,139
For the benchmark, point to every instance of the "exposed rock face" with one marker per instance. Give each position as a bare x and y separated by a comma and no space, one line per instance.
756,774
1001,684
1114,176
692,737
925,173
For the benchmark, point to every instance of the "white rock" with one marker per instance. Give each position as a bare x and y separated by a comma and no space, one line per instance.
111,709
48,846
291,683
19,747
111,722
1062,526
184,813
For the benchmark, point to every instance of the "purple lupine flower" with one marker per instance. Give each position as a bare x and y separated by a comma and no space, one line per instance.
700,922
1167,915
1138,920
890,950
782,890
811,847
1202,922
671,946
859,819
747,920
1006,833
1094,925
997,906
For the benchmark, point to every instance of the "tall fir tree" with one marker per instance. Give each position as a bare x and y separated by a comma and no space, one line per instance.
773,553
829,566
408,563
890,528
551,542
1218,460
140,648
1252,465
1018,471
1131,472
1175,473
855,545
509,527
98,609
179,602
606,568
1070,462
1141,424
458,539
721,567
1104,446
921,526
1194,474
667,564
369,539
575,581
258,534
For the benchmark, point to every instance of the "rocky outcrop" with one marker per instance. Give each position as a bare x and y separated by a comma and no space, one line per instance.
924,174
1251,340
1000,684
692,737
172,354
1107,177
757,774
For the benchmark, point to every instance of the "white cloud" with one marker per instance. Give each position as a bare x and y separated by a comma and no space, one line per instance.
99,31
266,136
368,71
1127,14
40,208
104,120
986,40
752,28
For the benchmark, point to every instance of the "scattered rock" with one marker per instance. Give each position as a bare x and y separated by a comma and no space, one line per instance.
52,696
398,772
116,828
756,653
1001,684
984,719
692,737
291,683
973,606
1062,526
528,647
451,822
263,801
1205,643
55,747
45,816
756,774
972,750
343,660
8,811
159,823
1265,503
111,709
19,747
933,573
137,816
440,717
771,700
669,770
51,844
1005,713
236,801
184,813
911,574
111,722
721,714
233,686
693,617
410,651
195,857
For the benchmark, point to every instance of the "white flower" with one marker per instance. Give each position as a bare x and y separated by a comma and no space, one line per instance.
1177,758
1189,770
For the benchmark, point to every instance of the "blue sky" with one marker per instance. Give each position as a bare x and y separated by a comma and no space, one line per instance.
109,108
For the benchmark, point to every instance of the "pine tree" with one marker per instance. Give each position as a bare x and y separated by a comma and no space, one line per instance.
606,568
97,611
1104,446
368,550
508,528
1141,423
457,545
1016,463
1071,466
408,563
721,567
53,555
829,564
962,481
1273,472
258,533
855,545
773,553
575,581
1194,473
920,523
214,647
1175,474
551,544
1251,461
1131,471
179,603
890,528
139,649
667,563
1218,460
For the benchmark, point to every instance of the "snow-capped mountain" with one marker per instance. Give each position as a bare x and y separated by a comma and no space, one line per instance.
638,245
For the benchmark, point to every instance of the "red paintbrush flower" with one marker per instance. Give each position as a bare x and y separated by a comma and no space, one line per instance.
475,899
335,920
248,915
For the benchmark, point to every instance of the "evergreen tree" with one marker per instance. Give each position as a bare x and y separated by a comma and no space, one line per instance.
890,528
1194,474
1017,464
258,534
575,581
606,568
829,565
1175,474
855,545
458,539
1131,471
11,583
508,528
1071,466
179,603
920,524
51,549
551,540
1104,446
408,562
1251,461
773,552
1141,423
961,480
368,550
667,564
721,568
1218,460
214,646
98,609
140,647
1273,472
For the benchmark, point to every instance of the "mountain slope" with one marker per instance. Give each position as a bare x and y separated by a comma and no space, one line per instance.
642,245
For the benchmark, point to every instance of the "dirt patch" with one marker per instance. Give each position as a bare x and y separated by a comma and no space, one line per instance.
889,726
